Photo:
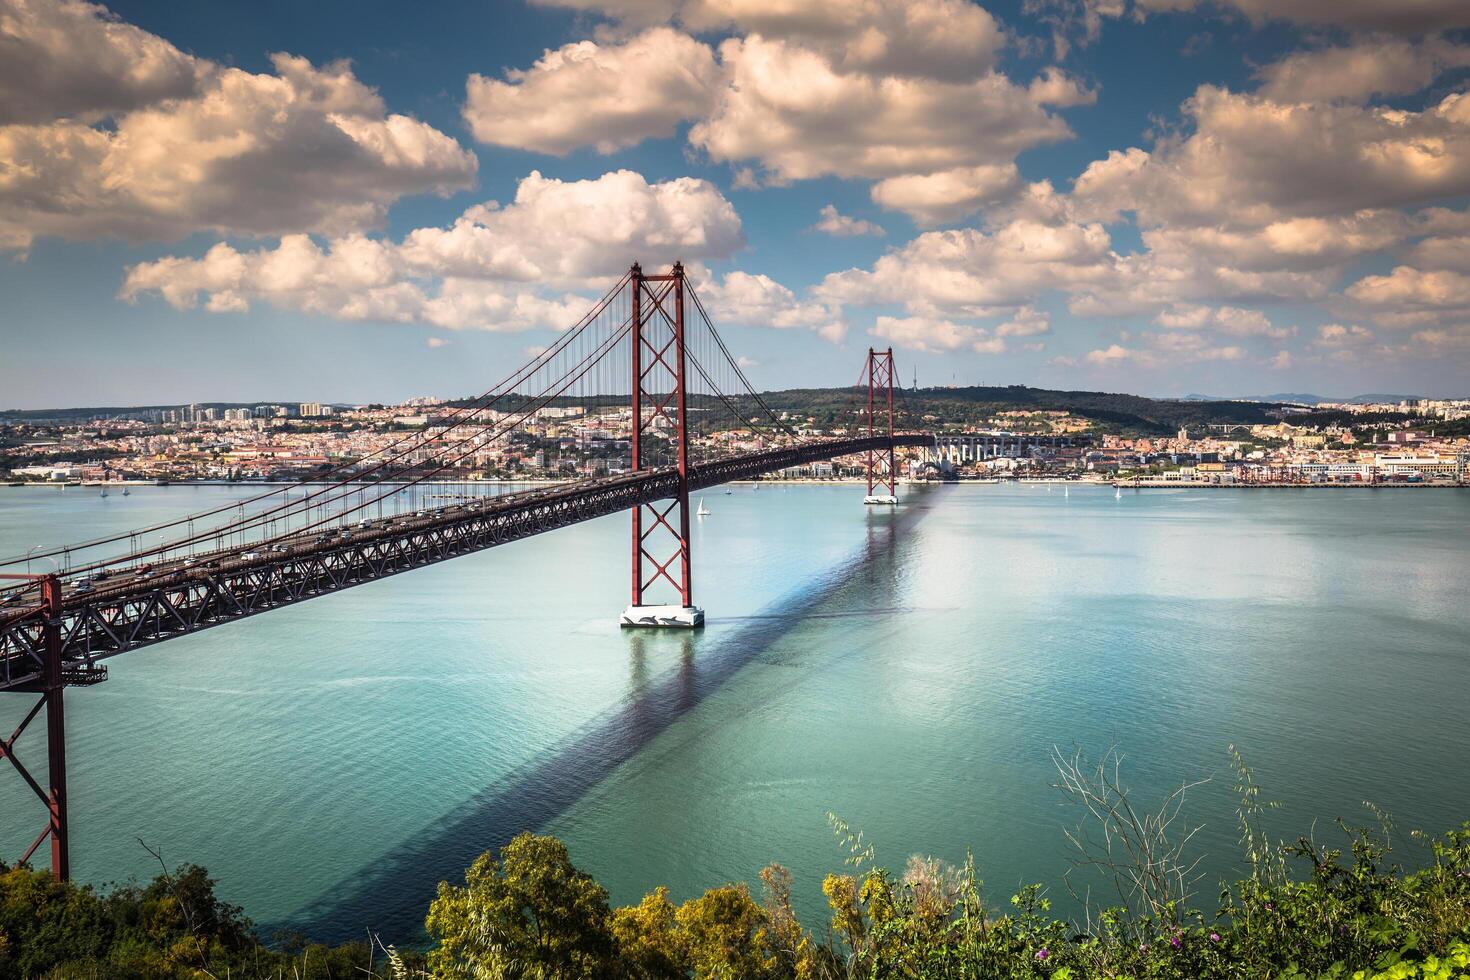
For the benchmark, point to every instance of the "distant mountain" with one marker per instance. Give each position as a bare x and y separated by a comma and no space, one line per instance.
1296,397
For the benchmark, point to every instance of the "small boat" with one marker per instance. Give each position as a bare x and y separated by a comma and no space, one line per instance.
126,491
104,491
728,491
1117,493
703,511
1066,491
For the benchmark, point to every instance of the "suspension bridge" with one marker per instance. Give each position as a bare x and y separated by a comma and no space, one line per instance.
644,367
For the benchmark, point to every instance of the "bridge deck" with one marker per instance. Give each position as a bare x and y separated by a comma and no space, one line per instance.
148,605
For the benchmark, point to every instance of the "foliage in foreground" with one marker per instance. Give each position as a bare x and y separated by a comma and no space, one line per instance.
1305,910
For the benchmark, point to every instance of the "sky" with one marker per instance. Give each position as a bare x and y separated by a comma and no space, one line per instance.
357,200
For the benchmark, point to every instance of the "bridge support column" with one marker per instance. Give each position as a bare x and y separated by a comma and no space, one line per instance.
52,685
660,412
882,471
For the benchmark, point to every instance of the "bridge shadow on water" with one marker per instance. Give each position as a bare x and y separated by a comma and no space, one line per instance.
392,895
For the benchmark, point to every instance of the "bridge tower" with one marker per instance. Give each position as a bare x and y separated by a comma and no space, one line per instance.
882,471
660,413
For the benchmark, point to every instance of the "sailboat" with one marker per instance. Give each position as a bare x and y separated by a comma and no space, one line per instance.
1066,491
126,491
1117,493
104,491
703,511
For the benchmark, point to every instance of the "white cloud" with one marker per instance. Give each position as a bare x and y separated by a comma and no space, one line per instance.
932,199
610,96
1163,350
1251,161
62,58
494,269
1448,252
1111,354
304,149
1027,322
577,231
936,335
835,223
1407,288
1226,319
977,272
789,109
949,39
946,39
1340,335
1367,67
434,343
759,301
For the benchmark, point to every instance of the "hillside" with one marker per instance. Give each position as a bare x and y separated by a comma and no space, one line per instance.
1111,411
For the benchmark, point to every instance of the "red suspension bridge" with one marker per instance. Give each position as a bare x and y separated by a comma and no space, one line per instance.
645,367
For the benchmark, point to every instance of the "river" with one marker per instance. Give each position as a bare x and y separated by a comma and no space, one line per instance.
910,671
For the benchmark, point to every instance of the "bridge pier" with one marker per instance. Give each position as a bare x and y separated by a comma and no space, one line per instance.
52,685
655,334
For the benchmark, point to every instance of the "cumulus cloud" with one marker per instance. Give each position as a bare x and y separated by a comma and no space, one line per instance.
1407,288
304,149
1254,161
610,96
1027,322
495,268
936,335
1340,335
933,199
840,225
759,301
1442,252
1367,67
1225,319
949,39
903,92
1163,350
787,108
63,58
577,231
976,272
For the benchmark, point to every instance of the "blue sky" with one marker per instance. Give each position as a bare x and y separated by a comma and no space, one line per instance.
241,201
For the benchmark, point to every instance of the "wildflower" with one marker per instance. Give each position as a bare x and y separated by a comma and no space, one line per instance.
1042,954
1174,940
1143,947
1214,937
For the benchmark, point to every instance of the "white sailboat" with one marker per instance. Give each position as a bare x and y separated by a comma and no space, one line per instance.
1117,493
126,491
104,491
703,511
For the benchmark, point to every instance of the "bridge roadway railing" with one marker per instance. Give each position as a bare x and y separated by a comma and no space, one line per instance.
178,600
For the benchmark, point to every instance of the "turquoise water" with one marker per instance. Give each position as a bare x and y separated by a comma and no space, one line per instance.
912,672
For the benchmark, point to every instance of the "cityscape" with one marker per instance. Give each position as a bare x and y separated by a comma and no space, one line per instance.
1372,443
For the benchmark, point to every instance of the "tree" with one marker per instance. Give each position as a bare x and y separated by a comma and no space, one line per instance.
532,914
649,940
727,935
